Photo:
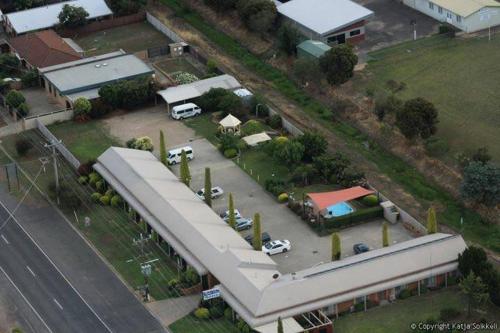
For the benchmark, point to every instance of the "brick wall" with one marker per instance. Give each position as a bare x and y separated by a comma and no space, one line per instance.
102,25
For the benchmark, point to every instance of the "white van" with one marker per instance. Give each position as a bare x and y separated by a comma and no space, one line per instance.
185,111
174,155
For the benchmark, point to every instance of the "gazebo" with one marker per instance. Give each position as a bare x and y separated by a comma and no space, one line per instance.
230,125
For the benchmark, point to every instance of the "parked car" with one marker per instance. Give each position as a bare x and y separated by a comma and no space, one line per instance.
266,238
360,248
216,192
243,223
276,246
225,215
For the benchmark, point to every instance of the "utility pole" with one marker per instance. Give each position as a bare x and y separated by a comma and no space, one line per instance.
141,241
52,145
146,271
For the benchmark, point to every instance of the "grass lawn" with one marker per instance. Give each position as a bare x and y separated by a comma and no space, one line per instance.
203,126
256,162
131,38
192,324
398,316
179,64
85,140
459,76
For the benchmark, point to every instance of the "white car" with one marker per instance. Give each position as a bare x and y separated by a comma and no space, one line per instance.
276,246
216,192
225,215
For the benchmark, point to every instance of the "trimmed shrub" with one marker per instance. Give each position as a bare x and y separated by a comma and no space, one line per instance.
99,108
216,312
94,177
116,200
228,314
100,186
448,314
356,217
252,127
104,200
403,294
83,180
202,313
23,109
283,197
109,192
275,186
242,326
96,196
14,98
275,121
230,153
23,146
370,200
172,283
30,78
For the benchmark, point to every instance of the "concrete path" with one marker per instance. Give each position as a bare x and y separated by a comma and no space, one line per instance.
170,310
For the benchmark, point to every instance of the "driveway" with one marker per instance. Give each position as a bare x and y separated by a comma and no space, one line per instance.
38,101
391,24
308,248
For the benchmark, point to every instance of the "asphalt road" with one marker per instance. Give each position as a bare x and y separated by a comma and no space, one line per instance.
49,294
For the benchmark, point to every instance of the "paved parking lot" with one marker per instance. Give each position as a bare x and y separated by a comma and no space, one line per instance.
308,249
391,24
38,101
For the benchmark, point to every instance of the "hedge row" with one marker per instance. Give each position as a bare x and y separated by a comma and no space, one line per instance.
356,217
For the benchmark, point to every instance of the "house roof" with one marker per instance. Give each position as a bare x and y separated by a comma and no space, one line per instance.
465,8
229,121
94,72
47,16
324,16
314,47
195,89
43,48
323,200
248,280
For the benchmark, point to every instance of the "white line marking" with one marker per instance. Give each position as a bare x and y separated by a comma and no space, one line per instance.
57,303
29,269
57,269
26,300
5,239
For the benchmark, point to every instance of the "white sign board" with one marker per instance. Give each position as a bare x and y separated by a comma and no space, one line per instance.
210,294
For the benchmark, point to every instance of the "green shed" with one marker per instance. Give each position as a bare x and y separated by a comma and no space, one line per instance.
312,48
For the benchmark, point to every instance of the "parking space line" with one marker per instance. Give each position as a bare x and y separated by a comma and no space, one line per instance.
32,273
4,239
57,303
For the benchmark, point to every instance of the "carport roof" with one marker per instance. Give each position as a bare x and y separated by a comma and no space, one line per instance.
185,92
466,8
323,200
324,16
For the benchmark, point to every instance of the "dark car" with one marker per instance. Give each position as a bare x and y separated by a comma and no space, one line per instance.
360,248
265,238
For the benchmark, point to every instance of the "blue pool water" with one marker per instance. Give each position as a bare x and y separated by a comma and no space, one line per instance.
342,208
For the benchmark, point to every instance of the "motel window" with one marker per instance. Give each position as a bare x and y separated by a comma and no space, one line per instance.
448,15
359,300
355,32
431,6
440,10
459,18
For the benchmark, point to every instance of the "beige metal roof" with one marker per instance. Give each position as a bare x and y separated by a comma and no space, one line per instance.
192,90
465,8
255,139
246,276
229,121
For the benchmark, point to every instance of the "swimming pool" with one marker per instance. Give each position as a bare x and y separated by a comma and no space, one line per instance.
340,209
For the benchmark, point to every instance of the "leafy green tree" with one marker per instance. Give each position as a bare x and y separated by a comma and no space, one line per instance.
163,149
389,105
338,64
418,117
27,4
280,326
257,15
73,16
220,99
232,217
257,233
14,98
304,174
307,71
185,173
126,7
23,109
481,184
141,143
336,247
474,290
290,152
431,221
9,64
81,108
316,145
288,37
331,167
208,187
128,94
385,234
221,5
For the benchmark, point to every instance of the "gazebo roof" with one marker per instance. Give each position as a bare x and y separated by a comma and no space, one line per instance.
230,121
326,199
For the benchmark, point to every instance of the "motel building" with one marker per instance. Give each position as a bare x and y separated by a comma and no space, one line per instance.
249,281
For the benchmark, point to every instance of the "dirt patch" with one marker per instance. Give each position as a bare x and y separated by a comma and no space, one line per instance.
148,122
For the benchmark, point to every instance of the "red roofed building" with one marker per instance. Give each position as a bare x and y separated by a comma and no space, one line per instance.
42,49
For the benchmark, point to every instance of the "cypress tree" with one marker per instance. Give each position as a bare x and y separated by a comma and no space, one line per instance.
232,218
431,221
335,246
185,174
280,325
385,234
208,187
257,237
163,150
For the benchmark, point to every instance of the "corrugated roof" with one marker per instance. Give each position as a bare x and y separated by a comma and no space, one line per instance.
43,48
255,139
314,47
47,16
246,276
91,73
323,200
465,8
324,16
195,89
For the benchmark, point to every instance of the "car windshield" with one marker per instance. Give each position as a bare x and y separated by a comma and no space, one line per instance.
268,245
200,192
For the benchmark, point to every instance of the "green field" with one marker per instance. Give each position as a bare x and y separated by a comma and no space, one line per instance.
193,325
131,38
461,77
179,64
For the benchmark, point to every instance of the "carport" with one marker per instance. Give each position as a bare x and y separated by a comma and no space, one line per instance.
320,201
185,92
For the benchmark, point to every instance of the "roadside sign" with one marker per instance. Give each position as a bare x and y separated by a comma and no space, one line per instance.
210,294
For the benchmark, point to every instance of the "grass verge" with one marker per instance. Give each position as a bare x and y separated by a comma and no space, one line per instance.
192,324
